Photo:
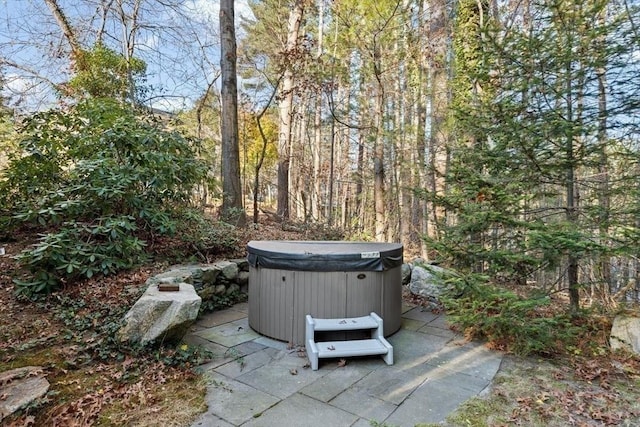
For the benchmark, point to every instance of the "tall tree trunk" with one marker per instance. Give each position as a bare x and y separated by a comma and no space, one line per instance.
439,102
332,167
379,198
232,208
419,214
129,31
263,151
298,156
316,149
67,30
360,188
603,161
572,208
286,110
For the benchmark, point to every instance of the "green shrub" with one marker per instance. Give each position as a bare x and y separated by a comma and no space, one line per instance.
520,325
80,250
207,236
96,180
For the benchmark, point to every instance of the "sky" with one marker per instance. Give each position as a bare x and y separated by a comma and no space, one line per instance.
180,47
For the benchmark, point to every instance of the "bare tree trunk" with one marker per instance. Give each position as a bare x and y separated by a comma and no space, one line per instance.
572,206
129,39
378,152
105,6
263,151
332,167
603,172
297,176
419,205
286,111
316,149
360,189
439,100
67,30
396,200
232,207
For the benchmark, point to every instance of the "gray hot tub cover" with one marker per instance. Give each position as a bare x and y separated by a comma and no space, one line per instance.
324,255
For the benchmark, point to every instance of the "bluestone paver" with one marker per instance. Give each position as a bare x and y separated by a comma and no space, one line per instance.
221,317
336,382
229,334
361,402
303,411
469,358
430,403
284,376
240,365
235,402
412,348
417,313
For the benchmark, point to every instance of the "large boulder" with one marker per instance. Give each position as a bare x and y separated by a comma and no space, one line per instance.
161,316
625,334
19,387
428,281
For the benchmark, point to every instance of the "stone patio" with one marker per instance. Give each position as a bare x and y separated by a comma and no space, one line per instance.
257,381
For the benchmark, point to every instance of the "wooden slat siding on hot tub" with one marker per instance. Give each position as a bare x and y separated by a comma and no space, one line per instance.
290,279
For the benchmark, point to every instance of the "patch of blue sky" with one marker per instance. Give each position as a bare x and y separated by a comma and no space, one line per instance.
178,40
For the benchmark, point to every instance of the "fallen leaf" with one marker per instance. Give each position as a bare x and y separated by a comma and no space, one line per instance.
293,371
331,348
342,363
306,365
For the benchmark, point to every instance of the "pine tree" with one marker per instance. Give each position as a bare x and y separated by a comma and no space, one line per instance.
530,135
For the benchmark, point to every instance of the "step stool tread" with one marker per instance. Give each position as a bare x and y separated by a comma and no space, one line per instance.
350,348
345,324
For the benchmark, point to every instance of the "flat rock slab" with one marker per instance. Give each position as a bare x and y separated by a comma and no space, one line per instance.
158,315
19,387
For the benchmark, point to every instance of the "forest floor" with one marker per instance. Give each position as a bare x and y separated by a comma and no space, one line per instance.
92,382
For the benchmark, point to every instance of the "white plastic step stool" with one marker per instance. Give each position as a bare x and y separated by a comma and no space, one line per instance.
368,347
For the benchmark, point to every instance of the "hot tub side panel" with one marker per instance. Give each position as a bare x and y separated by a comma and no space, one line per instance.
364,293
320,294
279,300
271,302
392,300
254,298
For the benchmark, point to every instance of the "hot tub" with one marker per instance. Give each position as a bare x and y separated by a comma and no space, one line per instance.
326,279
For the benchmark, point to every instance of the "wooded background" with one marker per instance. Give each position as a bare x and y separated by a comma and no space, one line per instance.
497,137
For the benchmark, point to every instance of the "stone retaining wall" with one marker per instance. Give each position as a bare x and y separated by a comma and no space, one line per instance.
209,280
165,316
